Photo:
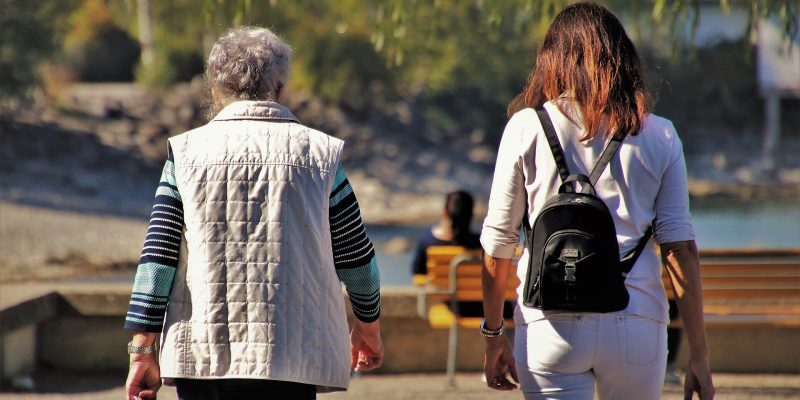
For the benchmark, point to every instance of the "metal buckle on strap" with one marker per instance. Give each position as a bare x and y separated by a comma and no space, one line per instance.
570,257
570,269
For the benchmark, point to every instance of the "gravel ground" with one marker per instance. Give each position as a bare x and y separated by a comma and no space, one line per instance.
405,386
44,244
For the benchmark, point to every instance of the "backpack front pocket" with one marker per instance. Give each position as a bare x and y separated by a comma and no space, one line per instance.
564,269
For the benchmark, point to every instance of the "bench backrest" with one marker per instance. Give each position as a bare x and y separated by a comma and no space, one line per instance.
457,270
727,275
748,274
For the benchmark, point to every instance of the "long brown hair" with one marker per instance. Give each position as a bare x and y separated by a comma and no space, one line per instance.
587,56
458,206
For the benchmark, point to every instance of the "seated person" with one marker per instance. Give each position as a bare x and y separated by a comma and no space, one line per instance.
453,230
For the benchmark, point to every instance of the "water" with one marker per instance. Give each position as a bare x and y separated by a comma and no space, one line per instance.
730,224
719,224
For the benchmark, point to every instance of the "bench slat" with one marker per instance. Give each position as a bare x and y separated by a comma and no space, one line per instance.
777,294
741,253
730,309
726,283
754,268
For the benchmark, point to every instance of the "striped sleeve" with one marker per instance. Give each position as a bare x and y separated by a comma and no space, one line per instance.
159,259
353,254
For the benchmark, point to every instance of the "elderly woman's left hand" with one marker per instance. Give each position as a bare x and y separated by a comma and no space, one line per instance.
498,362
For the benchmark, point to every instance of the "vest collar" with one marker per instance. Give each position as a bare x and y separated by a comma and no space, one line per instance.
259,110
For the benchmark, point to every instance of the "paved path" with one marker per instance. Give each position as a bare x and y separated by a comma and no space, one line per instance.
402,387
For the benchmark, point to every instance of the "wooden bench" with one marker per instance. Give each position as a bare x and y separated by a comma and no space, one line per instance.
454,275
749,287
740,288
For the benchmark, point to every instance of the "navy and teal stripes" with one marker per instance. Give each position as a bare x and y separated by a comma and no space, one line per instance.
159,259
353,253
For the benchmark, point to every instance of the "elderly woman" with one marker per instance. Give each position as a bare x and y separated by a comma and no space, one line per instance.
585,91
253,228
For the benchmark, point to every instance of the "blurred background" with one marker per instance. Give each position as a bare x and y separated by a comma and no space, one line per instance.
91,89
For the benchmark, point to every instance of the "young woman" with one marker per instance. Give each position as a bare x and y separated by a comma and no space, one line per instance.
588,77
452,230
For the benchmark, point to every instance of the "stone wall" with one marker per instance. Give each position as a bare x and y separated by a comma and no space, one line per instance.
88,335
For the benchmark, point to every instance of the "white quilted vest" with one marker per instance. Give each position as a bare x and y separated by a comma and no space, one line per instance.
256,294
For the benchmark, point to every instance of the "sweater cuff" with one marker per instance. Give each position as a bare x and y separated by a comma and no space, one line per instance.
140,327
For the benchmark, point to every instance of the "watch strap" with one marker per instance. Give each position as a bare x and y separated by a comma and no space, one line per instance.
133,349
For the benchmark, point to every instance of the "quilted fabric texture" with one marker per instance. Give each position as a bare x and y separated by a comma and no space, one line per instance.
256,294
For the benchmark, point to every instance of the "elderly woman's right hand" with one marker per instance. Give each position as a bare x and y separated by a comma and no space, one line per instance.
144,377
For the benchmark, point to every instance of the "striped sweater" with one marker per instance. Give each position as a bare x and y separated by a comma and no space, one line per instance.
353,254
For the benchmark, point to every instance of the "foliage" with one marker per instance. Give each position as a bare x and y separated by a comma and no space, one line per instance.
161,74
109,57
457,63
687,89
96,48
395,18
25,39
348,71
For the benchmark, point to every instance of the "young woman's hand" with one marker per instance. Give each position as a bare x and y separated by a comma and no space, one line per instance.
698,379
499,363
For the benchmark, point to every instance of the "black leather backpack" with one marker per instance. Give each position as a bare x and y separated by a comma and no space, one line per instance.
574,262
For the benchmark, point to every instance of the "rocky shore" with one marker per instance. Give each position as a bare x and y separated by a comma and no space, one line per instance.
101,148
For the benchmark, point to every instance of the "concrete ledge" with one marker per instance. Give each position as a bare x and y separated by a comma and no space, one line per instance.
81,329
28,312
110,303
767,349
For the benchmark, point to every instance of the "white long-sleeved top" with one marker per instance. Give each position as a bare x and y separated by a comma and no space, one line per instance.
645,181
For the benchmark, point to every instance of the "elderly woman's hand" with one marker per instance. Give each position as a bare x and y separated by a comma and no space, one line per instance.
366,347
144,377
499,363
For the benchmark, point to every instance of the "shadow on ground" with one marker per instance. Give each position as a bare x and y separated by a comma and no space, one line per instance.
48,381
49,166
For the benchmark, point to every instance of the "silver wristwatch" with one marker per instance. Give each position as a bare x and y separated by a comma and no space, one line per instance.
133,349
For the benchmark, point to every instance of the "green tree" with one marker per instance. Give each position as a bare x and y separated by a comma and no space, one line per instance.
96,48
25,39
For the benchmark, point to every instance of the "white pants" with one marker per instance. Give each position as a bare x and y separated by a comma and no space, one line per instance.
566,355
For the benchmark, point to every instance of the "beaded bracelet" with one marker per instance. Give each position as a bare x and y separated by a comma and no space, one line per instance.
492,333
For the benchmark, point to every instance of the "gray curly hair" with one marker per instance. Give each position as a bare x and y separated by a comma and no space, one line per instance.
248,63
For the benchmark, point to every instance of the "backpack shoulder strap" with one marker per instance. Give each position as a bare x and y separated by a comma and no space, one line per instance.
552,140
606,156
558,156
629,259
